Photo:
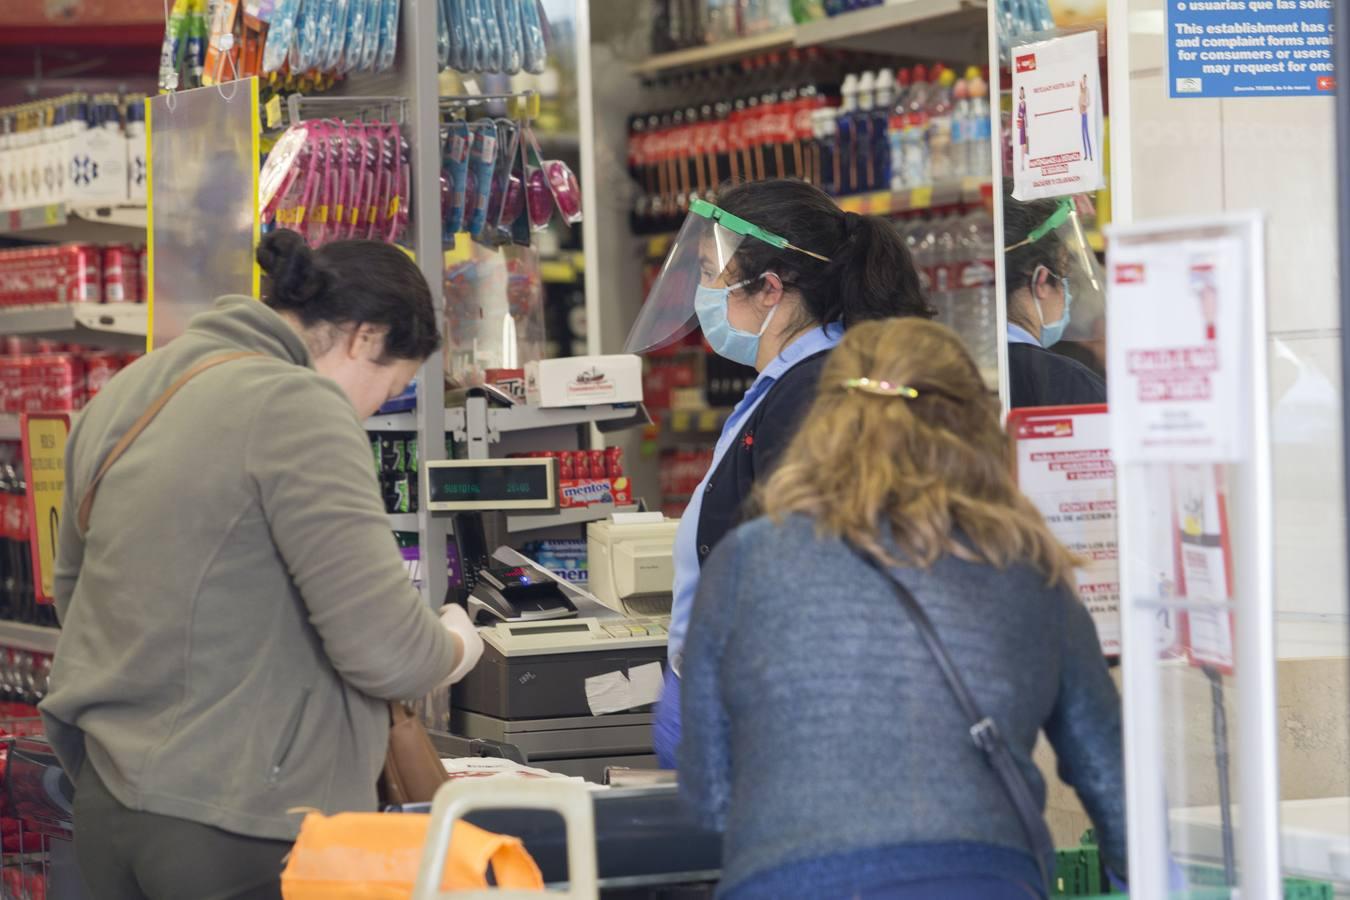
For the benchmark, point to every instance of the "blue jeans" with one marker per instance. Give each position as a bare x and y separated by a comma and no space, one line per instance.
666,723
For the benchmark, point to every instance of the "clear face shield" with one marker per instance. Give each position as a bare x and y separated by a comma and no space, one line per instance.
1080,275
700,257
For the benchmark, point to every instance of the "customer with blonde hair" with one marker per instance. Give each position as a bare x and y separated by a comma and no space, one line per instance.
821,734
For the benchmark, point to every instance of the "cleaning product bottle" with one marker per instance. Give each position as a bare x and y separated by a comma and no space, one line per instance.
880,149
940,127
862,132
845,122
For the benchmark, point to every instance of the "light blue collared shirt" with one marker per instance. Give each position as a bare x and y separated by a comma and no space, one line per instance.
686,537
1019,335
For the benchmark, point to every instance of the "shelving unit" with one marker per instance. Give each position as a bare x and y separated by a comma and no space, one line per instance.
116,326
924,29
889,203
59,223
33,638
579,516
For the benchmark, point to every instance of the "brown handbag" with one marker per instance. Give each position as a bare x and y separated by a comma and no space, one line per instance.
412,769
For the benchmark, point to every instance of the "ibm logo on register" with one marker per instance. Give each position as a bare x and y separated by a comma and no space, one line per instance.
1190,85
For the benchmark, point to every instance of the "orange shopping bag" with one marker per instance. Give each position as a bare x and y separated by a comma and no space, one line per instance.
375,856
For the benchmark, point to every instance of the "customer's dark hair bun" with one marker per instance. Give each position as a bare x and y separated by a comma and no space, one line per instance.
351,283
295,278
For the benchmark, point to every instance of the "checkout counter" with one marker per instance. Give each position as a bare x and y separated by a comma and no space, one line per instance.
568,674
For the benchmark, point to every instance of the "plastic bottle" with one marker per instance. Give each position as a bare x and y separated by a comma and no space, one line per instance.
862,133
845,122
922,242
719,22
946,261
915,136
896,131
827,140
961,128
941,165
977,296
979,152
880,149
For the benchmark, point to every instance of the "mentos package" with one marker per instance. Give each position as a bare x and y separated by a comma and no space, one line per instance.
566,559
590,491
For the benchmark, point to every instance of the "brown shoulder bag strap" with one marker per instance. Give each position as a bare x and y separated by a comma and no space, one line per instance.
87,503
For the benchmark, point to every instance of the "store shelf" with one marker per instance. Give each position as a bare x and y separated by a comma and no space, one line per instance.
606,417
59,223
685,426
392,422
118,326
34,638
723,51
928,29
931,29
403,521
579,516
889,203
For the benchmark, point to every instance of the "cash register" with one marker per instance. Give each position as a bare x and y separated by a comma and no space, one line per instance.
566,677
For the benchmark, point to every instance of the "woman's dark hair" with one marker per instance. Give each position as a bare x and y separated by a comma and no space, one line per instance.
870,275
351,283
1019,220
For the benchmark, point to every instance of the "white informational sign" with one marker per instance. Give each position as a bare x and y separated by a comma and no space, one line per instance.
1057,117
1176,313
1064,467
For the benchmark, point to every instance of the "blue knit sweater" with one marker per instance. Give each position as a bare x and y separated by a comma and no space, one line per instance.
817,724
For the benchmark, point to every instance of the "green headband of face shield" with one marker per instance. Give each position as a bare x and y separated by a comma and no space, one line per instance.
1061,215
737,225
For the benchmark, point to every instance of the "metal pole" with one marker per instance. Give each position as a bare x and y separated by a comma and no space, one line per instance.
1220,728
419,48
1341,14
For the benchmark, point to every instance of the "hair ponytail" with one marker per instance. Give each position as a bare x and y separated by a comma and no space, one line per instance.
870,274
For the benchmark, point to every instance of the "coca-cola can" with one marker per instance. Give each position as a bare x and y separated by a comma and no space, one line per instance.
85,271
99,368
143,274
121,280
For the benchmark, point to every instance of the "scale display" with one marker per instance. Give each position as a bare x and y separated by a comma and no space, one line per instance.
466,485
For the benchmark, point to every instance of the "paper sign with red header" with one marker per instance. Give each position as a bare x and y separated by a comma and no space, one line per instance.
1063,464
44,467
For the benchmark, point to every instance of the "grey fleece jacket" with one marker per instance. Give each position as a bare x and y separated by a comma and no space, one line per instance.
237,615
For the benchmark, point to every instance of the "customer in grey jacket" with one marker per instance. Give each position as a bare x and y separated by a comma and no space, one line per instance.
237,614
820,735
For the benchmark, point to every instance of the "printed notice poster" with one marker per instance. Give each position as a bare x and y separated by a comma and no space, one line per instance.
1064,466
1057,117
1202,551
1250,48
1176,316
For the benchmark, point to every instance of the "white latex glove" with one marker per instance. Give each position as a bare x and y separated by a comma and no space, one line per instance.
467,642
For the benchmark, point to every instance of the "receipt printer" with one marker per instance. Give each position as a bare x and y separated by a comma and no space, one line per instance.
522,593
631,564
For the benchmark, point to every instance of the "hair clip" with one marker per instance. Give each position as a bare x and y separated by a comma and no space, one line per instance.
880,388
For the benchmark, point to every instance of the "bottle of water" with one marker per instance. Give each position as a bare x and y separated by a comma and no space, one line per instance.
940,161
977,294
979,152
895,134
915,136
961,128
946,266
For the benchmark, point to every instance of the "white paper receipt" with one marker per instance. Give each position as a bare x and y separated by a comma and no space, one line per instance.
615,692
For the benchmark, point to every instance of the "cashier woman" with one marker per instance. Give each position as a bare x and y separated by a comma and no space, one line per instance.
773,274
236,614
1055,289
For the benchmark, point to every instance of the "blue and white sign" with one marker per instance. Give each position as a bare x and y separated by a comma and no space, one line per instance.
1250,48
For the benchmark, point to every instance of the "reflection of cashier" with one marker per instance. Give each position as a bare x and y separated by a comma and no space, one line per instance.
773,276
1047,270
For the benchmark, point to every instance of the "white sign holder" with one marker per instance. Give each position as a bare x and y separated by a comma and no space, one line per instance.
1160,374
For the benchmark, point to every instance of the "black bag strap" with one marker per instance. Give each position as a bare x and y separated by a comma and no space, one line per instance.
983,730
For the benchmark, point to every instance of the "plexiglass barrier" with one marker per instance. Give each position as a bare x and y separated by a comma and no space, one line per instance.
203,201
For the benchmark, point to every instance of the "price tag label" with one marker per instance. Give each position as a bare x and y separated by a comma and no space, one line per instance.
679,422
707,420
921,197
274,111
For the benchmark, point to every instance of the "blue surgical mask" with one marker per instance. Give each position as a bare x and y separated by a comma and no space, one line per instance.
710,304
1051,332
